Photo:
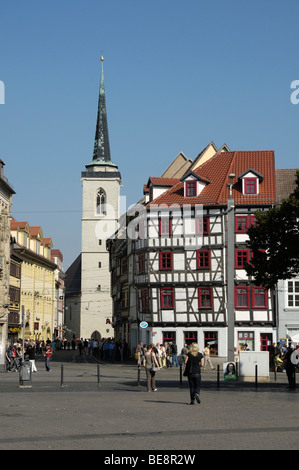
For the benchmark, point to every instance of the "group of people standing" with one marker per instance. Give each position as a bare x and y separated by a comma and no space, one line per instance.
14,353
286,359
154,357
106,349
167,354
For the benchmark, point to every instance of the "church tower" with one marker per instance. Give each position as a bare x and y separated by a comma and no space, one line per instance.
100,213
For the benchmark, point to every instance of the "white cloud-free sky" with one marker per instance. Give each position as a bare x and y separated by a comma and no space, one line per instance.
177,76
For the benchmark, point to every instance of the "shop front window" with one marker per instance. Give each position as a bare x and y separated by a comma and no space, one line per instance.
211,338
168,336
190,337
246,340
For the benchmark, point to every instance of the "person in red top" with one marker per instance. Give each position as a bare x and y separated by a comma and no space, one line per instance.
48,356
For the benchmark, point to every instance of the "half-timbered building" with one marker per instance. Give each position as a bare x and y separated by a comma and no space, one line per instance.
184,277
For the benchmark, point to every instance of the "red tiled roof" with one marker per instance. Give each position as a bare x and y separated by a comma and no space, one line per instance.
46,241
34,231
161,181
14,224
217,169
56,252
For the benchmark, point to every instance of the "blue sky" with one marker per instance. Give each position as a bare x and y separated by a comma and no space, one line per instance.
177,76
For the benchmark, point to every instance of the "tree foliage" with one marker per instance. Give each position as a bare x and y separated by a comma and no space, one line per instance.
274,241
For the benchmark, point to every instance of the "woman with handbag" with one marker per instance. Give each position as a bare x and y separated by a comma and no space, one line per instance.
151,366
194,362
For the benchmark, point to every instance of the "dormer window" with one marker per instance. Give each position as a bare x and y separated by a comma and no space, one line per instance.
191,188
250,181
250,185
194,184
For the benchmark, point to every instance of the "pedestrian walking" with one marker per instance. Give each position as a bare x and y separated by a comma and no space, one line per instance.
167,354
80,345
184,353
48,355
150,364
207,360
138,352
30,352
163,355
158,353
194,362
174,351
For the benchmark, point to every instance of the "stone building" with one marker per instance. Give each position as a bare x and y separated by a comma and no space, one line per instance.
6,193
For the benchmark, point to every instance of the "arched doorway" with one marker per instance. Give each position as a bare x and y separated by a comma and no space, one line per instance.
96,335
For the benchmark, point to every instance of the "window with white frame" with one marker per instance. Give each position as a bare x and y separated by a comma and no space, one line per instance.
293,294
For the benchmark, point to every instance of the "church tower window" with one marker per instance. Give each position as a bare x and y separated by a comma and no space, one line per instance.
101,202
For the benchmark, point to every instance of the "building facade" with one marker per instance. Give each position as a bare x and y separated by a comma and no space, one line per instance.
38,283
181,267
287,291
288,309
6,193
57,258
14,320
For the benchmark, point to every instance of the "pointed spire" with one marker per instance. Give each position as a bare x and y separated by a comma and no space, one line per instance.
101,151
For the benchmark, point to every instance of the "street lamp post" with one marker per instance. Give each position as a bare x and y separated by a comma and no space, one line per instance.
23,333
230,272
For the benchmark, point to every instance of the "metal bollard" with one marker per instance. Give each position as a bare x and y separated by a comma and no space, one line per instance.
98,375
218,376
181,374
61,375
138,375
256,376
